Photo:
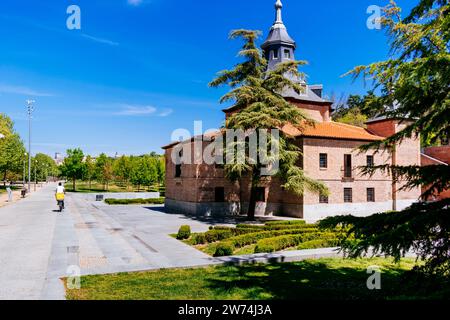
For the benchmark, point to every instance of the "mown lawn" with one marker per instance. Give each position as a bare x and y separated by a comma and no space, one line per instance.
335,279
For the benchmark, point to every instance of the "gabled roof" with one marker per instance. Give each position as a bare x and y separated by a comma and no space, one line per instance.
330,130
333,130
208,136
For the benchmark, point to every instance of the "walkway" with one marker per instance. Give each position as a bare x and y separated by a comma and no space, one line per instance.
39,246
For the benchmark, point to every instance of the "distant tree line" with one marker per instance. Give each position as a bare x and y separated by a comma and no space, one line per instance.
14,157
128,171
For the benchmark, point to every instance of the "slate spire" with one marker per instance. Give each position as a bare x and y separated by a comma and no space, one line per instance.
279,46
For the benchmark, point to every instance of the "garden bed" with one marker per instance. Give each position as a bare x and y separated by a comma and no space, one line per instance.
248,238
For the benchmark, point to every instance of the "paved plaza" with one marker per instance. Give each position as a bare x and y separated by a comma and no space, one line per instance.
38,245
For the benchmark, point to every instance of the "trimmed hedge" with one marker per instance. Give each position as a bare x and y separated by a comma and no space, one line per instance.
184,233
318,243
290,222
250,238
198,238
217,235
134,201
235,231
224,249
275,226
290,226
287,241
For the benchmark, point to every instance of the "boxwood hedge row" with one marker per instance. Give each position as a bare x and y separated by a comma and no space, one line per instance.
287,241
250,238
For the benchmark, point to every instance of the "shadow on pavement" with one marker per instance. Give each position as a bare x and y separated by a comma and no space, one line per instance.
213,220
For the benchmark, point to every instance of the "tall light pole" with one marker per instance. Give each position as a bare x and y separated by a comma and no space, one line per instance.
24,169
30,109
35,175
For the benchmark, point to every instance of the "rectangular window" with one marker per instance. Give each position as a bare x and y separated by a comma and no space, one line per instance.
370,194
178,171
323,199
275,54
260,194
219,195
370,161
287,54
323,161
348,166
348,195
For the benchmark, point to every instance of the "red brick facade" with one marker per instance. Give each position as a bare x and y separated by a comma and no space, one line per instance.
196,190
436,156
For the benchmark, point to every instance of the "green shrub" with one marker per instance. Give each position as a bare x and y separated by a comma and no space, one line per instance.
290,222
290,226
277,243
250,238
318,243
287,241
134,201
198,238
217,235
235,231
184,233
224,249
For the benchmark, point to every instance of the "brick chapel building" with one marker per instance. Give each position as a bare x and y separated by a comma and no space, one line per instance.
330,155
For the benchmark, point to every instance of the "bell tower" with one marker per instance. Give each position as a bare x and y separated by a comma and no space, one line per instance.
279,46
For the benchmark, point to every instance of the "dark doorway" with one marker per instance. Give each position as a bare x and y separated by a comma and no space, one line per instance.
260,194
219,194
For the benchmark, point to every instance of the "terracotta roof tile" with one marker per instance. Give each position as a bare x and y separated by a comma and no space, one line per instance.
333,130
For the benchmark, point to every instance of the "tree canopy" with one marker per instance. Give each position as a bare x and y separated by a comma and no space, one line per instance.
413,84
12,150
256,92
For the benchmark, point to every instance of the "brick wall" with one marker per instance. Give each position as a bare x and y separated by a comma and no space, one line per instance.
198,181
333,175
442,154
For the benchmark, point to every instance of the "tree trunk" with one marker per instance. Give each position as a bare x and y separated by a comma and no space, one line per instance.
90,184
74,184
252,202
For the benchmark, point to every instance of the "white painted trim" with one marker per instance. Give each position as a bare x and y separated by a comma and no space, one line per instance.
434,159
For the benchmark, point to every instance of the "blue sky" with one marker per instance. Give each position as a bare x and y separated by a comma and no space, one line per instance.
137,70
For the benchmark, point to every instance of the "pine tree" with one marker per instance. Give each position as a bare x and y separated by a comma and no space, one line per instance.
256,92
413,84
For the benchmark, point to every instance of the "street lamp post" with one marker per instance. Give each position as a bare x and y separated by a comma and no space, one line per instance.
30,109
24,169
35,176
